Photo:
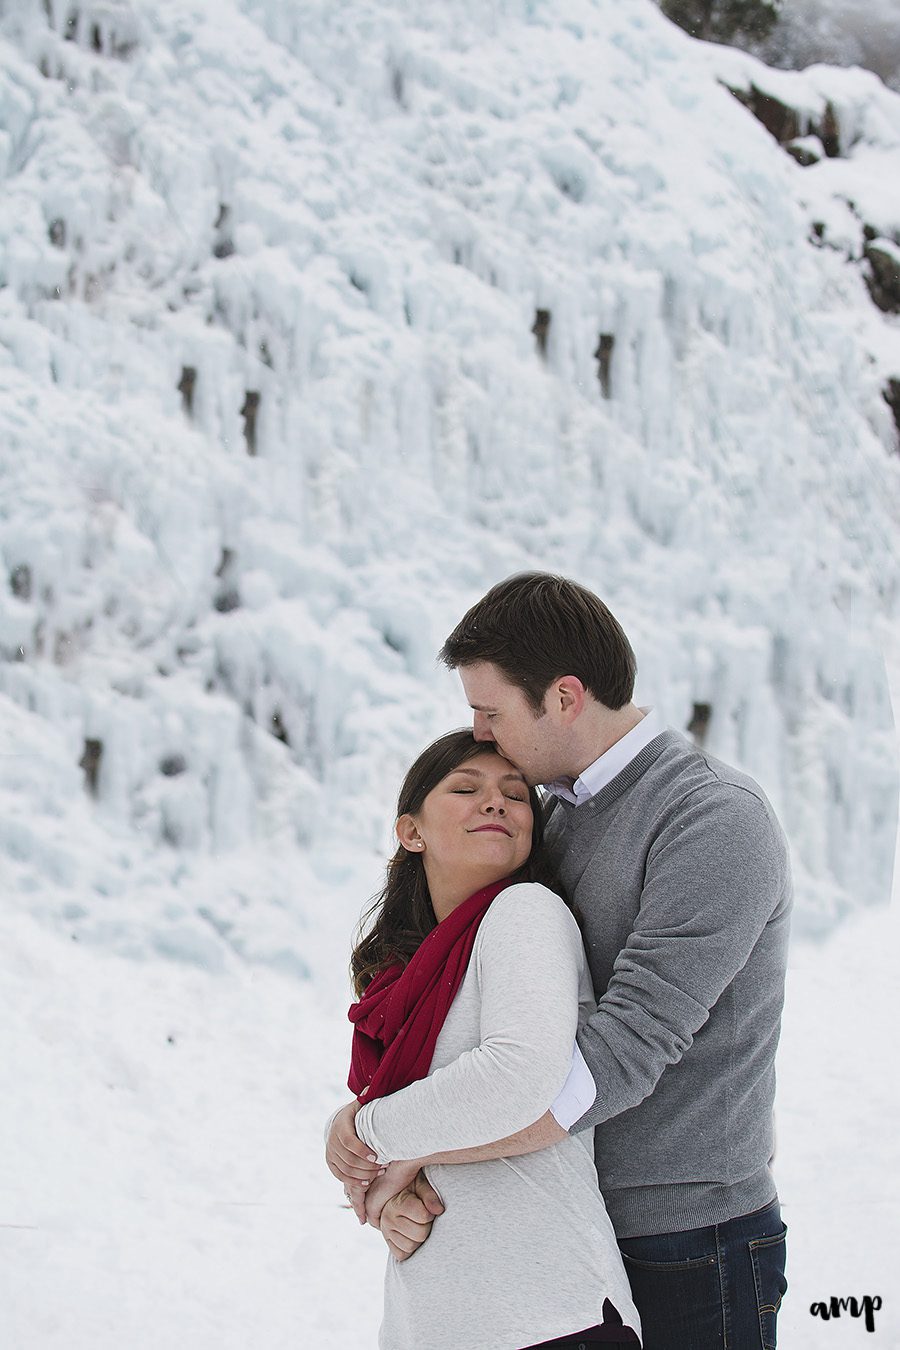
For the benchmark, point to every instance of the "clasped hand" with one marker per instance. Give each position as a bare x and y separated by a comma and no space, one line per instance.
397,1199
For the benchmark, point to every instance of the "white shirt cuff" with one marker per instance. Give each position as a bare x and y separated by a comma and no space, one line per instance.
577,1094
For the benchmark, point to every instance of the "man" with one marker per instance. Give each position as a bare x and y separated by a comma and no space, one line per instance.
679,873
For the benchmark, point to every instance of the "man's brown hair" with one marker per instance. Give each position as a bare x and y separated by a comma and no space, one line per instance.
535,627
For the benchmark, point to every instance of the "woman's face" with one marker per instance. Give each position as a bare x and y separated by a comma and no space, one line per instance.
475,824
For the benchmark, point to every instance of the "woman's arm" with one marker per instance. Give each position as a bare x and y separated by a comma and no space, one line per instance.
529,958
356,1167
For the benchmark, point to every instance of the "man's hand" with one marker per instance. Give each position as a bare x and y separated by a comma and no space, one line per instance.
348,1158
399,1176
407,1218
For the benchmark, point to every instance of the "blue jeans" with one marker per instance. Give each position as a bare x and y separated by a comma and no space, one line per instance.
715,1288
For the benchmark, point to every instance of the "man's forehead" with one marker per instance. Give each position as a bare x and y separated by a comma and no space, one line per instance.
484,683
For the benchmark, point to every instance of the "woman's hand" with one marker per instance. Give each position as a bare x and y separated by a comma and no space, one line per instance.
348,1158
356,1199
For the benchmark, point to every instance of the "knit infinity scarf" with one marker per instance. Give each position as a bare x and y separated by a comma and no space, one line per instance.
397,1021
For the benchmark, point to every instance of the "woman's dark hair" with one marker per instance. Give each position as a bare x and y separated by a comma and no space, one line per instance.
401,914
535,627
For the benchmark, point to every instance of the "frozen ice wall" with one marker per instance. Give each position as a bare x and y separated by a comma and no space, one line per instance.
314,322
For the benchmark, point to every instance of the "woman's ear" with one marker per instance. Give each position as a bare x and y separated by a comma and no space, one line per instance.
408,835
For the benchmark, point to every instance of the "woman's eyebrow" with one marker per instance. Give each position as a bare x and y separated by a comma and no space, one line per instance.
478,773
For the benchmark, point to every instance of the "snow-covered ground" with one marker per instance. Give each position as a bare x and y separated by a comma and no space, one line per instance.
162,1184
273,412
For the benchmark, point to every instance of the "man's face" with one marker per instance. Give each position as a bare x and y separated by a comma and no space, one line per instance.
504,717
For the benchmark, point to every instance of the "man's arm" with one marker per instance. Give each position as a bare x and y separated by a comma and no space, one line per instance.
355,1166
532,1139
404,1211
716,874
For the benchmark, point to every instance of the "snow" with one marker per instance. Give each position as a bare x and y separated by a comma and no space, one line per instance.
161,1173
215,665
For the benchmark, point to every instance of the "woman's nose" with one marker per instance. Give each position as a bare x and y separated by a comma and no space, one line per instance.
495,802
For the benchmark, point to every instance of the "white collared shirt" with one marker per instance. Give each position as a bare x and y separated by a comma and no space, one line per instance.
611,762
579,1091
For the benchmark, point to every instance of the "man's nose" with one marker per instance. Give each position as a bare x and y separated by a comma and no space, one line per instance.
481,729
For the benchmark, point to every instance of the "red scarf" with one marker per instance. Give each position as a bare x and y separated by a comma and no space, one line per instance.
397,1020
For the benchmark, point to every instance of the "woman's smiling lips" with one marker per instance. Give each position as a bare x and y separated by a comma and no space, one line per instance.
501,828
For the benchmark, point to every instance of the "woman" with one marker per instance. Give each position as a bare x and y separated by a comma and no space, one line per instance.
470,982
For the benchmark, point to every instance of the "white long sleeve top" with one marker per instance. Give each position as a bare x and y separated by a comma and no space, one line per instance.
524,1251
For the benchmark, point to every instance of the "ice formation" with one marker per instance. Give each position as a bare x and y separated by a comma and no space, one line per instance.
313,325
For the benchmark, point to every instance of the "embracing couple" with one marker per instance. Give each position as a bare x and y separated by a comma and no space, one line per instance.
568,1010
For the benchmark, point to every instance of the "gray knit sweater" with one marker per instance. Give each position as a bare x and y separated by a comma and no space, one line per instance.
679,872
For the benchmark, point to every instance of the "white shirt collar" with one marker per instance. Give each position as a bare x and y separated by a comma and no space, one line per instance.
611,762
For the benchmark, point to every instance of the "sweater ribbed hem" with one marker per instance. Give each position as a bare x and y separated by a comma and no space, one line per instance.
641,1211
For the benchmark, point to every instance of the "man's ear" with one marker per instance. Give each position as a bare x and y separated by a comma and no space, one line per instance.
569,695
408,835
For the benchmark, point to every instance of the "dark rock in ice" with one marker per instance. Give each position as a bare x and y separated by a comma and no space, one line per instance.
830,133
806,150
90,763
186,388
172,765
541,328
20,581
249,412
225,561
884,279
779,119
603,356
277,727
227,600
698,726
891,394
